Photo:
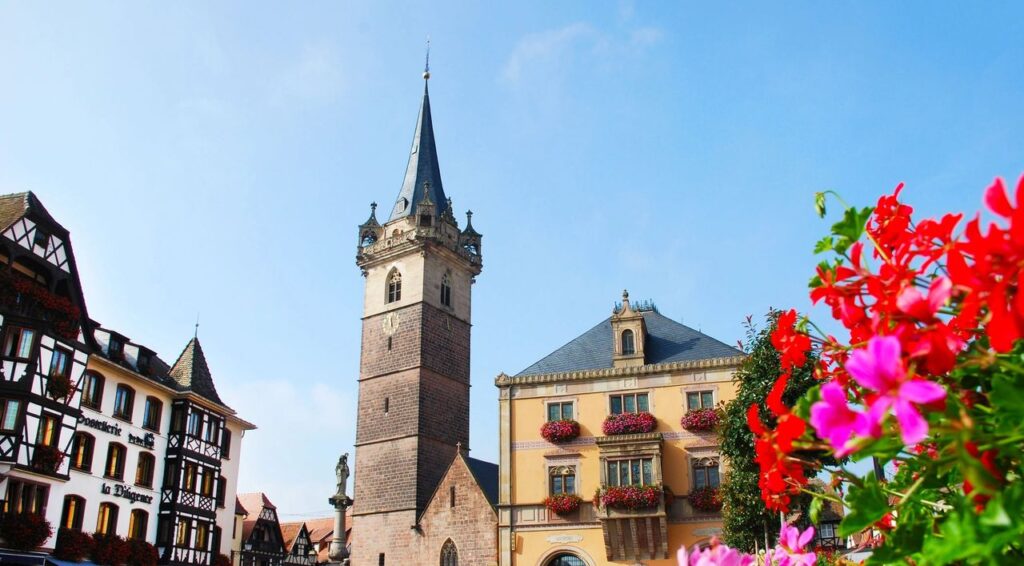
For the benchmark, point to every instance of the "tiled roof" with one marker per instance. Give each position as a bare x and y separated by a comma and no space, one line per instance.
14,206
191,372
290,532
486,475
239,509
667,341
323,527
423,167
253,503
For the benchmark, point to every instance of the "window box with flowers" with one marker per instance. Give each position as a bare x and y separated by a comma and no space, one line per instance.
31,299
562,504
706,499
631,497
24,531
73,545
560,431
58,386
629,423
47,459
701,420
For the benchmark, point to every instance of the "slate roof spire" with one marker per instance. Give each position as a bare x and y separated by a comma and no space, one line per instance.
423,166
191,372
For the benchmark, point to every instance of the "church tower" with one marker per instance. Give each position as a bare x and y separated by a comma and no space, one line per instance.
414,366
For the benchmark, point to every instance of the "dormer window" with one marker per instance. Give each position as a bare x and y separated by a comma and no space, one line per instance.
41,238
446,291
394,287
115,349
426,220
628,346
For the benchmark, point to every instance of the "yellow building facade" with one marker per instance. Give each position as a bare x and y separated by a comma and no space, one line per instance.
636,361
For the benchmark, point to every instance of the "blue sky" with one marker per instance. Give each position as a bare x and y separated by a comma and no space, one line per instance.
216,159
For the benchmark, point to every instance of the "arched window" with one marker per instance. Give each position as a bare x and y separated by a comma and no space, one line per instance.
449,554
628,347
74,509
446,291
394,287
81,451
115,461
566,559
563,480
705,473
106,519
138,521
144,470
124,402
92,390
151,416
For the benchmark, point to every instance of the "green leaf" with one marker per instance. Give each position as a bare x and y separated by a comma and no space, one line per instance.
819,204
867,505
850,228
823,245
815,509
1007,395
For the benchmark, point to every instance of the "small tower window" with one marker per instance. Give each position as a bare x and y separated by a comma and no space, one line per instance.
451,496
394,287
628,347
387,405
446,291
426,220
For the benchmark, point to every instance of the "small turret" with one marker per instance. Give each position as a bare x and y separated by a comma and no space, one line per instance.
370,231
470,239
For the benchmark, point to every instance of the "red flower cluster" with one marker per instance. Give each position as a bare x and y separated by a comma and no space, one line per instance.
141,553
562,504
221,560
701,420
781,475
58,386
47,459
988,482
72,545
631,496
109,550
24,531
61,311
707,499
560,431
629,423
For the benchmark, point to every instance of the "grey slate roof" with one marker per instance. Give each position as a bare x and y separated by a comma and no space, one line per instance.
667,341
191,372
486,475
423,167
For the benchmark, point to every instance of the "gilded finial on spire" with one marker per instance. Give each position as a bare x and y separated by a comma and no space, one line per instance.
426,66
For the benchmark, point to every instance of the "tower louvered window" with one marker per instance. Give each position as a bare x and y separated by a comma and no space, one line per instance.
395,287
446,291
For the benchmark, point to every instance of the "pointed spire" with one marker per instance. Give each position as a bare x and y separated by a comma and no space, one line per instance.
423,165
190,372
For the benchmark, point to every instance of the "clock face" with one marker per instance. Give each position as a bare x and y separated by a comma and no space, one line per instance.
390,325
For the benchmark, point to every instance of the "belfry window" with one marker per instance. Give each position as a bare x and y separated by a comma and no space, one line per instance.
628,347
446,291
394,287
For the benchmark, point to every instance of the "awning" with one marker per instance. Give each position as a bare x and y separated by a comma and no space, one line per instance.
51,561
12,558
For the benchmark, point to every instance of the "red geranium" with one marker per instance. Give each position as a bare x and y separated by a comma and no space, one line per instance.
141,553
560,431
631,497
24,531
72,545
629,423
562,504
707,499
109,550
701,419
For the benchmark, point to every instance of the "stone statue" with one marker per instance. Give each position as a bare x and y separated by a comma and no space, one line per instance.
342,470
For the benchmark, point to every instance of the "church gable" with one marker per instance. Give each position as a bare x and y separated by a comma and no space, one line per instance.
460,517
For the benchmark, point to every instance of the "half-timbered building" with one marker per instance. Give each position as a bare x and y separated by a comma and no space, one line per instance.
97,433
262,540
298,546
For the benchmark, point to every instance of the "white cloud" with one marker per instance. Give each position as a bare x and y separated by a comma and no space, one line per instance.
544,48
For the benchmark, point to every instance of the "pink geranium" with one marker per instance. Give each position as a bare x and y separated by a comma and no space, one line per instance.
791,550
880,368
833,420
717,554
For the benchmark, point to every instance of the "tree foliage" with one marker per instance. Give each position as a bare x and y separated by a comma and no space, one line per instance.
747,520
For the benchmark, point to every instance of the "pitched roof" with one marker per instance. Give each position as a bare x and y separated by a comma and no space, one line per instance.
191,372
253,503
290,532
16,205
667,341
423,167
323,527
486,475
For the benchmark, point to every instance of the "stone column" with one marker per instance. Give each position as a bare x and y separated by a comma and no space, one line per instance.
338,550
